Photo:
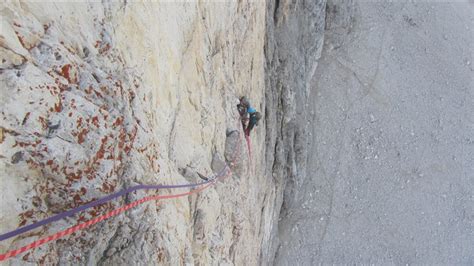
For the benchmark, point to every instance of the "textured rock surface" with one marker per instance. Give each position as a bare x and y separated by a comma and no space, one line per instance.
99,97
390,170
295,32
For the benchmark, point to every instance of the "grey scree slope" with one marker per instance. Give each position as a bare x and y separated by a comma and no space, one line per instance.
391,166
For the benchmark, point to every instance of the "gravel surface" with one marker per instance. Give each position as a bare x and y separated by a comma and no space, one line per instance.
391,172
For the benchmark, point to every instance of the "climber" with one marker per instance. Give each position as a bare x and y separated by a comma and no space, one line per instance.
243,106
248,115
253,120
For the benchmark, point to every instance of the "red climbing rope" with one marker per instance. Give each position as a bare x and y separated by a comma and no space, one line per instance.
249,147
81,226
115,212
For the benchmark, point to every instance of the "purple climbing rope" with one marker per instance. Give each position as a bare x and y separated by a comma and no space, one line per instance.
103,200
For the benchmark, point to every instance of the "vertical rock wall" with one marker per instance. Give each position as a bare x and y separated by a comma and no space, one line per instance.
294,39
98,97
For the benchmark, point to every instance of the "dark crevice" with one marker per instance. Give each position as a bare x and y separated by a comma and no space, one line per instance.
275,11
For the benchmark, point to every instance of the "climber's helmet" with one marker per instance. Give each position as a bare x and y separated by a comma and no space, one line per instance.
244,101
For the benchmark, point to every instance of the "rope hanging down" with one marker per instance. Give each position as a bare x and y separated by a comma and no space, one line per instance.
249,147
225,171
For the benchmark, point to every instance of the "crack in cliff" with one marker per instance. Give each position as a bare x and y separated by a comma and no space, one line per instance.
275,11
108,247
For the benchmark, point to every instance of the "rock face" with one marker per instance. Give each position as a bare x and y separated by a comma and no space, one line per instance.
390,165
100,97
96,98
294,39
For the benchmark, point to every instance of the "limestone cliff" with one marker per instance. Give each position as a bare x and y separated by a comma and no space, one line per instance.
294,39
98,97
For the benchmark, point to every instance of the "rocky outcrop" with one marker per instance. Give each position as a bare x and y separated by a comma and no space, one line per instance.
294,39
98,97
